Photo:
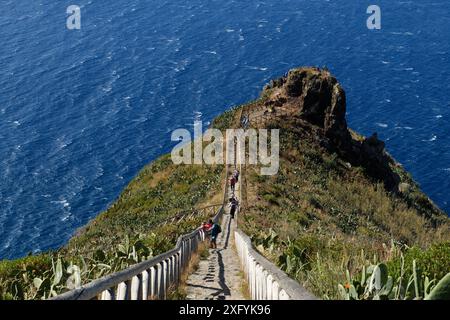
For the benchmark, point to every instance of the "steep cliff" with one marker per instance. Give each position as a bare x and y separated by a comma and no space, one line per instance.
339,198
316,97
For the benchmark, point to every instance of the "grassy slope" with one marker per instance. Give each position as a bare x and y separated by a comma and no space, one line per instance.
159,191
327,216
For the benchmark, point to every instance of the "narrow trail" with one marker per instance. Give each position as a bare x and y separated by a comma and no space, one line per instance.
219,276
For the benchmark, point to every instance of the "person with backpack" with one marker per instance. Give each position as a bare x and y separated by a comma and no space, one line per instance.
233,204
206,226
232,183
236,175
245,121
215,230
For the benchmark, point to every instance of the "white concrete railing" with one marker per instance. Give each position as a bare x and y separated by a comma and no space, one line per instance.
265,280
150,279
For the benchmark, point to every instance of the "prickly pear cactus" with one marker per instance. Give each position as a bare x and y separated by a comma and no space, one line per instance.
441,291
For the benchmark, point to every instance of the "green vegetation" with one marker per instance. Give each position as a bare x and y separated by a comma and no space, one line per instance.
158,192
326,217
131,230
434,262
376,283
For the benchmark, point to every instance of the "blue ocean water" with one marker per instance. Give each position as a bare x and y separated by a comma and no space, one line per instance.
82,111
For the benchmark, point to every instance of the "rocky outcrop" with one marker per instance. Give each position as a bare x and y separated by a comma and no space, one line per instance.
377,162
319,99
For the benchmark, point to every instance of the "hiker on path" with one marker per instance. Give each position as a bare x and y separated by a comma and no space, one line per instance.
236,175
206,226
233,204
215,230
245,121
232,183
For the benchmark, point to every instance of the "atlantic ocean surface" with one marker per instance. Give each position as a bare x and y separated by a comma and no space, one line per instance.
82,111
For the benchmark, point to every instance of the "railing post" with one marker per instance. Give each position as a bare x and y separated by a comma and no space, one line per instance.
183,255
180,261
174,269
153,282
261,282
175,266
264,284
269,286
253,277
249,276
167,261
134,288
121,291
129,289
144,285
107,295
258,282
169,272
275,290
186,253
159,280
164,279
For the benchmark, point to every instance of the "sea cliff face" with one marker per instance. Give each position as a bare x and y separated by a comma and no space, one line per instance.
339,199
319,99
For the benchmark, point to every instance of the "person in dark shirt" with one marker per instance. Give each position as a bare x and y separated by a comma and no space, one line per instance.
215,230
236,175
233,204
232,183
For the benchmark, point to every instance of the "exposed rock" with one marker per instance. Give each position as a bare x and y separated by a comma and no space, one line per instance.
321,101
377,161
404,187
